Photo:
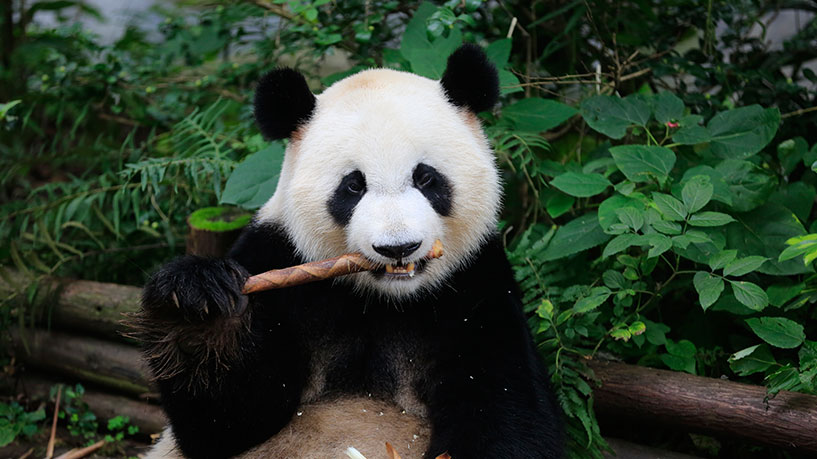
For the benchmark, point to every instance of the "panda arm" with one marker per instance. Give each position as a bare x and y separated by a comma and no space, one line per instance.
231,378
488,395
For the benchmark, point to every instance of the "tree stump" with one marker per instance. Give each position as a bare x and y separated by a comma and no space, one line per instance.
214,229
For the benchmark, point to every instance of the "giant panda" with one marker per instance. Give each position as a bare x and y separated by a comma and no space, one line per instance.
432,356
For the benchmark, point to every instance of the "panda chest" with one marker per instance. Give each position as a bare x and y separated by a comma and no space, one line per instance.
383,362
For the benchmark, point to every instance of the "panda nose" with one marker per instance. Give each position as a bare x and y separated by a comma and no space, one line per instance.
397,251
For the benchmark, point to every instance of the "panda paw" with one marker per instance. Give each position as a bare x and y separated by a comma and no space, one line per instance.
197,289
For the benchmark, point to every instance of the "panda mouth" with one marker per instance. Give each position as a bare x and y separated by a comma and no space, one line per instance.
400,271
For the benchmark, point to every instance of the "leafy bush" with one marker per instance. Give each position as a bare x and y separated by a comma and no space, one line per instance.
659,170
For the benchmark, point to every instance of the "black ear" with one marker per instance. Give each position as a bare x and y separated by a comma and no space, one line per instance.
470,79
283,102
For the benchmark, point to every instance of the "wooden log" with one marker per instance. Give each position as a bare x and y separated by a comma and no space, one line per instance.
92,307
149,418
114,365
214,229
707,404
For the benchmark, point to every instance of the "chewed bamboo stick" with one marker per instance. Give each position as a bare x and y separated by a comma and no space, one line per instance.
319,270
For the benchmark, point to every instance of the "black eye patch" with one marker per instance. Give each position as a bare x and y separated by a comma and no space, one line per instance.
352,187
434,186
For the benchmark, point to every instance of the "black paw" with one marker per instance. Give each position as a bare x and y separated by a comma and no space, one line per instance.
197,288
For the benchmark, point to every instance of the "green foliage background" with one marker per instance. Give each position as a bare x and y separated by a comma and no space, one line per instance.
659,171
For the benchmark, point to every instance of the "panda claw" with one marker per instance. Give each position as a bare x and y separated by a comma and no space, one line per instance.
175,299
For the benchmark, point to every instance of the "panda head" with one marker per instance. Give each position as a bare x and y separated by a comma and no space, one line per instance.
385,163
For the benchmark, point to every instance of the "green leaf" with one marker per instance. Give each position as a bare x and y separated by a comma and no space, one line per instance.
709,288
742,132
749,185
622,242
581,185
666,227
598,295
785,378
658,244
612,115
557,203
642,163
750,295
499,52
681,356
670,207
656,333
631,217
799,245
537,115
743,266
721,191
710,219
253,182
697,193
579,234
427,58
778,331
781,294
722,258
614,279
798,197
753,359
667,107
608,209
764,231
791,152
636,328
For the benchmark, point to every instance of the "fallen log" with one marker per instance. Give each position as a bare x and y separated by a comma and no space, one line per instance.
707,404
149,418
114,365
93,307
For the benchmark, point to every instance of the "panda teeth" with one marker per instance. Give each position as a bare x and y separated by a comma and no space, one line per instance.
407,269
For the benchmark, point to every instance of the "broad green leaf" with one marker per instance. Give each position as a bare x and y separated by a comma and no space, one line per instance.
621,334
709,288
785,378
658,244
742,132
612,115
728,303
667,107
577,235
597,296
710,219
697,237
608,208
636,328
499,52
253,182
800,245
778,331
764,231
781,294
722,258
557,203
642,163
681,356
750,295
666,227
744,265
749,185
427,58
614,279
537,115
692,134
696,193
798,197
753,359
791,152
632,217
656,333
721,191
622,242
671,208
581,185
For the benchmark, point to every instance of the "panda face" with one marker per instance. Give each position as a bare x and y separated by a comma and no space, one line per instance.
385,166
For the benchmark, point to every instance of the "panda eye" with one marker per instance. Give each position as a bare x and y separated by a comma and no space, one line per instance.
425,180
355,187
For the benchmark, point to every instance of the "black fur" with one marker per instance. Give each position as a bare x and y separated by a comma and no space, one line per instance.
478,371
470,79
350,190
434,186
283,102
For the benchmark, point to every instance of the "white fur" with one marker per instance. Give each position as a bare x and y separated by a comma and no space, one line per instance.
383,123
